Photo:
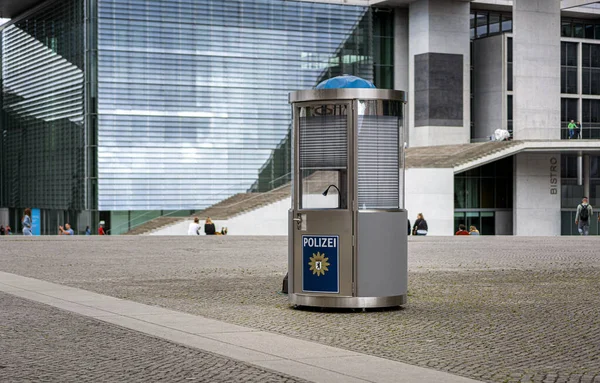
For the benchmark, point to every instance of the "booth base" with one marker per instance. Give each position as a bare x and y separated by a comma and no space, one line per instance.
347,302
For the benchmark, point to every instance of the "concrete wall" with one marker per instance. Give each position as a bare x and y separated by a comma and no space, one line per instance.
401,49
4,217
489,87
439,27
431,192
537,194
536,69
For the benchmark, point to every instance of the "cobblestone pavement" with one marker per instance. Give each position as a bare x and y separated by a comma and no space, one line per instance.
498,309
42,343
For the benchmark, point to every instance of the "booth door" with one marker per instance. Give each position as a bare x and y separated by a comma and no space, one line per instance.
322,215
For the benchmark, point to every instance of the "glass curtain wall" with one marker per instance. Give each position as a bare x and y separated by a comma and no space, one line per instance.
193,95
571,194
42,114
480,193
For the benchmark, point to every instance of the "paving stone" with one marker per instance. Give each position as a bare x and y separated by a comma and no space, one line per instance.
490,308
42,343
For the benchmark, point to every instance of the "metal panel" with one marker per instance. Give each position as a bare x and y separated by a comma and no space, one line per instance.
346,94
382,254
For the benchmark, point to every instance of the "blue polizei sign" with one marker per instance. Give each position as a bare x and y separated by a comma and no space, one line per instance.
35,222
321,263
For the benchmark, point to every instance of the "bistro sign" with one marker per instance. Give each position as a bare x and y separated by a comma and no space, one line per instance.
553,175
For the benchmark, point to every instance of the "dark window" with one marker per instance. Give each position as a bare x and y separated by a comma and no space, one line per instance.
565,30
482,24
591,69
509,65
568,112
494,23
568,61
590,110
589,31
597,31
578,30
506,23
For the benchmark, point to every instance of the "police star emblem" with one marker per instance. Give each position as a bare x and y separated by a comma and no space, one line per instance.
318,264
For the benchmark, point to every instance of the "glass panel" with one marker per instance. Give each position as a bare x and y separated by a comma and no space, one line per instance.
589,31
597,31
323,156
494,23
565,29
578,30
506,23
472,192
488,223
42,110
482,24
568,112
460,197
193,94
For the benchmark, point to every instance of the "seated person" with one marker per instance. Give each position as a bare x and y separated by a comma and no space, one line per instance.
473,230
462,230
209,227
66,230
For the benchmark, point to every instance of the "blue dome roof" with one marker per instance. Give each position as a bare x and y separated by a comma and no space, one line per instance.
345,81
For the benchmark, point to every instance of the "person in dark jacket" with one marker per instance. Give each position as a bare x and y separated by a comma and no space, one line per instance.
420,226
209,227
409,227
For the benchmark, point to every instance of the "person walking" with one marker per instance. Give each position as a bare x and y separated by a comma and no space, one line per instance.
194,228
420,226
578,130
582,218
462,230
26,221
571,127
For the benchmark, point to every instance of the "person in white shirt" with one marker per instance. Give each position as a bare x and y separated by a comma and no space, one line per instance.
194,228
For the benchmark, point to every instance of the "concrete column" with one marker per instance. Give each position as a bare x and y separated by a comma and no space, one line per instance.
489,89
537,194
431,192
439,72
401,49
536,69
586,175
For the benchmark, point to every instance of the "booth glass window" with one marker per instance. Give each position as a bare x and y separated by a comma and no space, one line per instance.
323,156
379,160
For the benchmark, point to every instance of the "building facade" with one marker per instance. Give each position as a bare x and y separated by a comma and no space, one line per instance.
125,110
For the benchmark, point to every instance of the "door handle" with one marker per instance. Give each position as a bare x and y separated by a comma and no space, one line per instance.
297,220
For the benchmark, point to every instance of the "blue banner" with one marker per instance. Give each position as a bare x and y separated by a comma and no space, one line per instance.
36,224
320,263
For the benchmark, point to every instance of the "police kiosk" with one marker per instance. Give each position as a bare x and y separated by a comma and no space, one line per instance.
347,224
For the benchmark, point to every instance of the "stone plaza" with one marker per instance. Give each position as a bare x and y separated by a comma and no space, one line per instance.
493,309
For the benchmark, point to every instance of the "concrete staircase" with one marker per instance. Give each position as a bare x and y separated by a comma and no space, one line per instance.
244,202
230,207
154,224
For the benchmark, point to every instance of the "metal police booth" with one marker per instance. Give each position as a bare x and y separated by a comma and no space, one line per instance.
347,224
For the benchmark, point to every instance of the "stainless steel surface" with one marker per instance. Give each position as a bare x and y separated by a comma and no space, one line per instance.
347,94
327,222
346,302
338,222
